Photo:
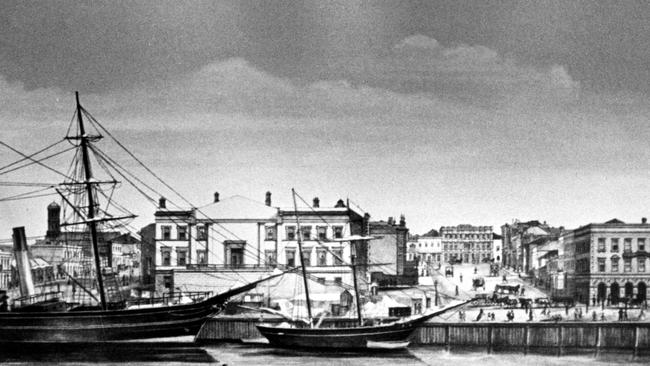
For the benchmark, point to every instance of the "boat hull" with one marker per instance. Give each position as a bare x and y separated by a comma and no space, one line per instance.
98,326
340,338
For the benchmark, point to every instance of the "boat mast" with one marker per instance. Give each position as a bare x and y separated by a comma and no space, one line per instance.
302,259
354,273
92,225
356,289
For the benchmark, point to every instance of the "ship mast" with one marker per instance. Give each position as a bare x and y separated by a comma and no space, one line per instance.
92,225
302,259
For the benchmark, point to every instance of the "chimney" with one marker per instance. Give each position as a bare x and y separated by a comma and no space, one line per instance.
216,197
53,222
644,220
339,204
267,201
391,220
402,220
316,202
162,202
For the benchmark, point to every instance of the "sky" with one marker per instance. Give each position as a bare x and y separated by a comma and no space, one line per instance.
448,112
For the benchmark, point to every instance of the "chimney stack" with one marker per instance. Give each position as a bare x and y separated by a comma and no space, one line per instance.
339,204
267,201
391,220
316,202
402,220
162,202
216,197
644,220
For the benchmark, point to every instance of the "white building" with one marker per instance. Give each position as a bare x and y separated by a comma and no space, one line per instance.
429,250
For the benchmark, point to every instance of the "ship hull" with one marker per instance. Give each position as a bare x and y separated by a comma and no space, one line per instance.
98,326
340,338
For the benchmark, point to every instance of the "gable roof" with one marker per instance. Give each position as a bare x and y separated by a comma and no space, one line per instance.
237,208
614,221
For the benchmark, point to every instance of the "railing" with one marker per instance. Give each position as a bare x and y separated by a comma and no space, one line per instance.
173,298
34,299
228,266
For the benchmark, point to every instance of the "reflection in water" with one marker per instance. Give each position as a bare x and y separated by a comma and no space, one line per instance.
104,352
173,353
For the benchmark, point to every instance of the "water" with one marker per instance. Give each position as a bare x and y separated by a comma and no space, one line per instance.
186,353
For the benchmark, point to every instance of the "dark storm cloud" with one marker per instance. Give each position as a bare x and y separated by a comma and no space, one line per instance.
98,46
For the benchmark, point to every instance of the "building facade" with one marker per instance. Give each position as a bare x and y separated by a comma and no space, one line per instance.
428,249
390,264
466,244
608,262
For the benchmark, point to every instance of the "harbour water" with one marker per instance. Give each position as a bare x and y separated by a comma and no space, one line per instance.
187,353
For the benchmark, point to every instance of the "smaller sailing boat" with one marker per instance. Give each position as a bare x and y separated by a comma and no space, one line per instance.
392,335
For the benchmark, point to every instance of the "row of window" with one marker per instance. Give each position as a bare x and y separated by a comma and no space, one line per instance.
322,257
627,265
306,230
290,232
614,244
182,232
468,236
468,246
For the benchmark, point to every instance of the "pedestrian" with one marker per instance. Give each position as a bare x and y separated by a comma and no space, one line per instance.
602,316
461,278
593,300
530,315
480,315
504,278
456,290
625,315
523,290
594,316
475,269
620,314
641,315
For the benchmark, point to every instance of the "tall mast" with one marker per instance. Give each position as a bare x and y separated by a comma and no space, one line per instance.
302,259
92,225
356,288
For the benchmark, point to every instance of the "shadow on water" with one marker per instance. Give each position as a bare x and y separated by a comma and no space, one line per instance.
104,352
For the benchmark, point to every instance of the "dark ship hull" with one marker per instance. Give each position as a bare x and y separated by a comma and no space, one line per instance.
344,338
339,338
112,325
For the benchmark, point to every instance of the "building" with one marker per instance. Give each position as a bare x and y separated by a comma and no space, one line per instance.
607,262
5,269
241,236
497,248
387,254
466,244
428,251
519,241
148,256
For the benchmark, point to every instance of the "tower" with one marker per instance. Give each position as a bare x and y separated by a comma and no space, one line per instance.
53,221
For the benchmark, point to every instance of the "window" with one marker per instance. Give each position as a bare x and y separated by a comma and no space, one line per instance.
181,257
640,264
627,245
202,232
181,231
321,280
291,257
270,232
322,257
641,244
338,256
167,280
627,264
614,264
166,256
615,245
306,232
601,245
338,232
306,256
201,257
166,232
322,232
601,264
269,256
291,232
338,280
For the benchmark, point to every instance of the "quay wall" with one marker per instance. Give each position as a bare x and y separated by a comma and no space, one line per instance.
559,338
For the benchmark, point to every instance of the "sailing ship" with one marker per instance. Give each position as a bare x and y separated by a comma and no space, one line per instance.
305,334
49,318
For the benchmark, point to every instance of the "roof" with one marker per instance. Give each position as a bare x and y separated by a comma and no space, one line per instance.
614,221
237,208
536,230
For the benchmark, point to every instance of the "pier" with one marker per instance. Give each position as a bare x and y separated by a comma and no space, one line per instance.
526,337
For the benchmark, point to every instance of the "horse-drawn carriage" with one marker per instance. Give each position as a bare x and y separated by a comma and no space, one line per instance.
506,294
449,271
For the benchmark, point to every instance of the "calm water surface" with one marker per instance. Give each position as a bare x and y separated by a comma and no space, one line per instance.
184,353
